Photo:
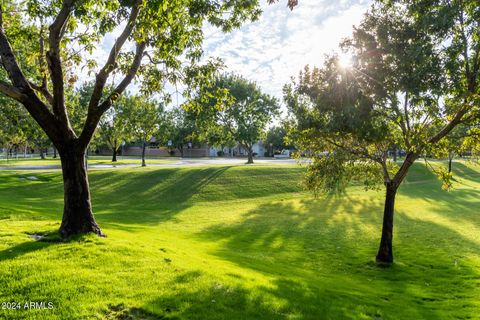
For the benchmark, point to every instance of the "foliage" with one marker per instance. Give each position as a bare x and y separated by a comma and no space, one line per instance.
233,108
144,118
14,128
399,91
181,129
277,136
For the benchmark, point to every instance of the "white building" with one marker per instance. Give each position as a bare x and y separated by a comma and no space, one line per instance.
259,150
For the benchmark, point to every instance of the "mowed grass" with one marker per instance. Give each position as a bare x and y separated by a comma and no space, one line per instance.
240,242
96,160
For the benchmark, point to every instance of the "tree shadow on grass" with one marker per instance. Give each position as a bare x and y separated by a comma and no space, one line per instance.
120,197
468,172
326,247
149,197
144,197
22,248
218,300
457,205
39,242
155,196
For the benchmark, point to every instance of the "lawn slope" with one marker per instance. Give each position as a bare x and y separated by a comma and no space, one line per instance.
239,242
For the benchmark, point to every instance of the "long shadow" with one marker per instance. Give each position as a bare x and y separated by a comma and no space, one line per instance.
325,246
155,196
219,302
144,197
460,204
28,247
150,197
466,171
140,197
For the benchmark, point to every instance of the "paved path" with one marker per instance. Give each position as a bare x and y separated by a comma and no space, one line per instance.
179,163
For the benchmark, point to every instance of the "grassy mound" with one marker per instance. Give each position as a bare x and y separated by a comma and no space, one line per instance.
238,243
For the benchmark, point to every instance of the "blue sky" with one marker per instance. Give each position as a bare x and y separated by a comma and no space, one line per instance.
277,46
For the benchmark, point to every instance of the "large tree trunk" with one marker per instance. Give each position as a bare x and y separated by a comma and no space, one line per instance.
450,158
77,213
114,157
250,155
144,146
385,253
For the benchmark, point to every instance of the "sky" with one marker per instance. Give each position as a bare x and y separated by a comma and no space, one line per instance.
277,46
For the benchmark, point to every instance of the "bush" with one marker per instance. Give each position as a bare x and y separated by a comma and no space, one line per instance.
266,154
220,153
171,152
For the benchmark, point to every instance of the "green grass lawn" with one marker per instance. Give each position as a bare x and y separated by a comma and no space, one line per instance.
91,160
240,243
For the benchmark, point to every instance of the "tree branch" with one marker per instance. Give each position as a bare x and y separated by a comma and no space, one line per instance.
465,43
386,174
43,90
37,109
43,72
402,172
11,91
118,91
405,110
57,30
94,114
449,127
110,65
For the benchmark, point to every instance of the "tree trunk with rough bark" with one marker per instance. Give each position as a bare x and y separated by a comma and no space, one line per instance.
77,212
450,158
385,252
250,155
114,156
144,147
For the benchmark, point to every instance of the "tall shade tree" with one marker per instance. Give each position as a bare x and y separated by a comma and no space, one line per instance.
410,84
36,137
45,44
181,129
113,129
238,107
146,120
454,145
14,125
276,139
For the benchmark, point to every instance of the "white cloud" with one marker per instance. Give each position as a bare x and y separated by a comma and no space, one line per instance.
276,47
282,42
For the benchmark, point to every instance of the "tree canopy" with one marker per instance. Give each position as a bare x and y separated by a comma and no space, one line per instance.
45,45
412,81
235,109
